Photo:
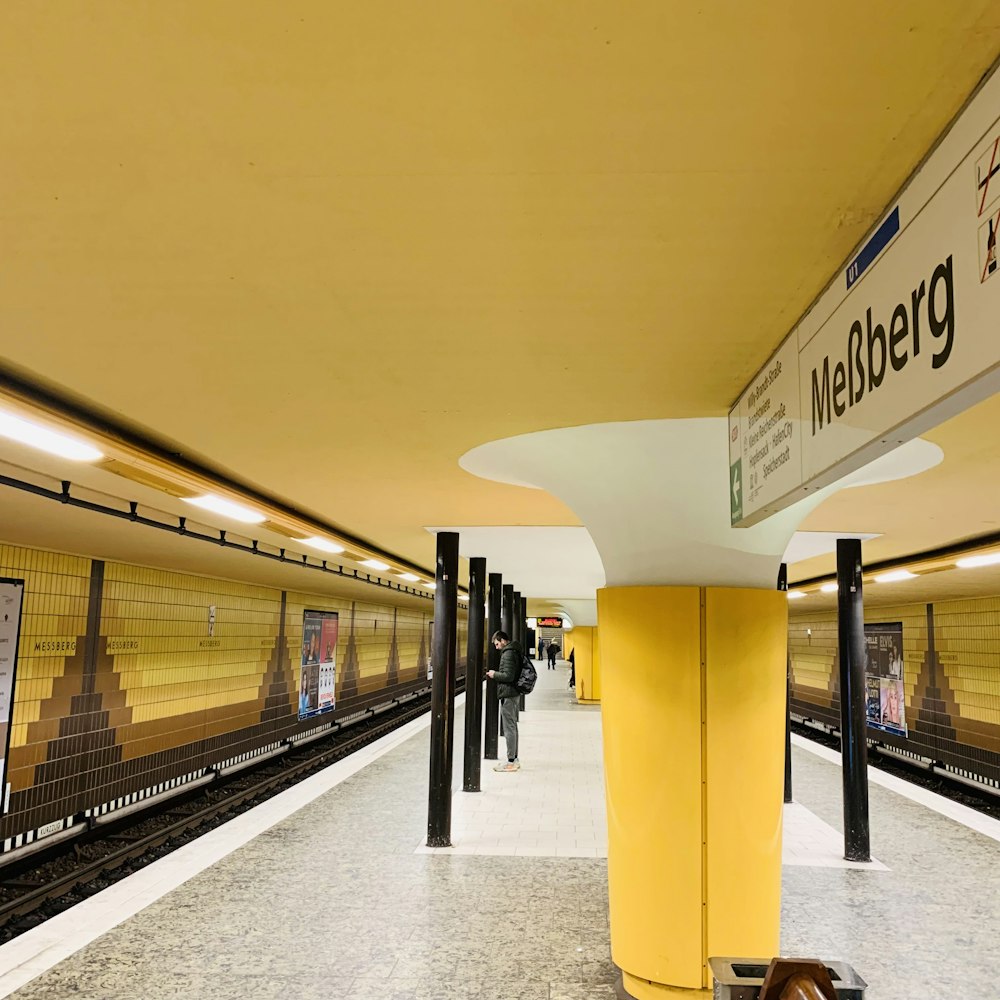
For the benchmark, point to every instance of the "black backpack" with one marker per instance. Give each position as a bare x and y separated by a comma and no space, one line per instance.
527,677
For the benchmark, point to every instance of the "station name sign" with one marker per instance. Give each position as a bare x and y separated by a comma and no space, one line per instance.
905,339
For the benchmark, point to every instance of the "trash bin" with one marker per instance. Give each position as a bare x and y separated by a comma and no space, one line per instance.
742,978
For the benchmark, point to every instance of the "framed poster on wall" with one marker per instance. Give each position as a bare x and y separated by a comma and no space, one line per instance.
885,706
318,680
11,602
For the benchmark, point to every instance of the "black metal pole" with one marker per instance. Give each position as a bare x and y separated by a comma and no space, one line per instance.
507,617
492,713
523,620
515,624
474,676
783,586
853,745
507,609
443,690
515,617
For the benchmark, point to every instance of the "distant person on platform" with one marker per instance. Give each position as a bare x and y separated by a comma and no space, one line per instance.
553,649
541,649
572,668
510,698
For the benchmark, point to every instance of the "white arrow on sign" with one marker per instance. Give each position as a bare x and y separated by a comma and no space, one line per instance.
736,487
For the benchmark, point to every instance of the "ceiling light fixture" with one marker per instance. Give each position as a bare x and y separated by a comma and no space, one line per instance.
409,577
55,443
794,595
895,576
373,564
430,584
829,588
323,544
226,508
970,562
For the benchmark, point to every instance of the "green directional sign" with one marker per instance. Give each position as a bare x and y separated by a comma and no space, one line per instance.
736,491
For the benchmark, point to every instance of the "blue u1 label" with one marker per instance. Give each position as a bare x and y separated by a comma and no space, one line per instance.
879,241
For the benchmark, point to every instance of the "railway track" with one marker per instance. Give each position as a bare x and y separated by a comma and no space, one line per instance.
55,878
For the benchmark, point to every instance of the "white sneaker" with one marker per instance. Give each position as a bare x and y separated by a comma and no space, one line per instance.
513,765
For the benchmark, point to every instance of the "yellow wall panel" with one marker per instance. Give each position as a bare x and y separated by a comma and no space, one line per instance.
56,588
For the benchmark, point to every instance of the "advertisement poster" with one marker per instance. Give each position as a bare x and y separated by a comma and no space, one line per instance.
319,656
11,595
884,677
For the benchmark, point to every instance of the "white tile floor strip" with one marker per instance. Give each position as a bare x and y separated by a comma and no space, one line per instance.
37,950
977,821
808,841
553,807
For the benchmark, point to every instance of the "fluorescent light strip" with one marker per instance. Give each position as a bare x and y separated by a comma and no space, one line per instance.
35,436
373,564
430,584
829,588
226,508
971,562
895,576
409,577
323,544
794,595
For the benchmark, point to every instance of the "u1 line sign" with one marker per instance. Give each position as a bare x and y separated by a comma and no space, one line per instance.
907,336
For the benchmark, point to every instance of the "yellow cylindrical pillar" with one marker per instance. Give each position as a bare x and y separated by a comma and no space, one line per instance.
583,644
595,670
693,703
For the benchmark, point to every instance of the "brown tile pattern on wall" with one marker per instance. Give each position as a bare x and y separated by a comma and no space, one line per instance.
951,656
147,675
80,758
967,642
933,703
276,689
347,675
423,655
50,666
392,669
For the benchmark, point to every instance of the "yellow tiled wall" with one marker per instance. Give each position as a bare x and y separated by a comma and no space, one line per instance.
184,671
967,635
53,623
952,698
169,664
372,628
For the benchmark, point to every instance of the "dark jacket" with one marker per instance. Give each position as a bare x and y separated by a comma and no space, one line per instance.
508,670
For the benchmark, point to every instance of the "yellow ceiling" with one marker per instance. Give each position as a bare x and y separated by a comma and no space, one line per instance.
328,248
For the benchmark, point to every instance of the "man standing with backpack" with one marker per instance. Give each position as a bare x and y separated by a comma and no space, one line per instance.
506,676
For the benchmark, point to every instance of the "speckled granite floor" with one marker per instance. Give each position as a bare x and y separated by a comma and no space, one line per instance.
333,902
928,927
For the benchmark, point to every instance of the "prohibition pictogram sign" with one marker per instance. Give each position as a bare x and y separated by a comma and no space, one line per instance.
987,167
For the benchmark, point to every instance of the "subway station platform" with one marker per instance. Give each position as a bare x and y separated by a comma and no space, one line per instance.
328,891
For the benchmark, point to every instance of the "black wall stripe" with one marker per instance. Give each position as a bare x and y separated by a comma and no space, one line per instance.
93,626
